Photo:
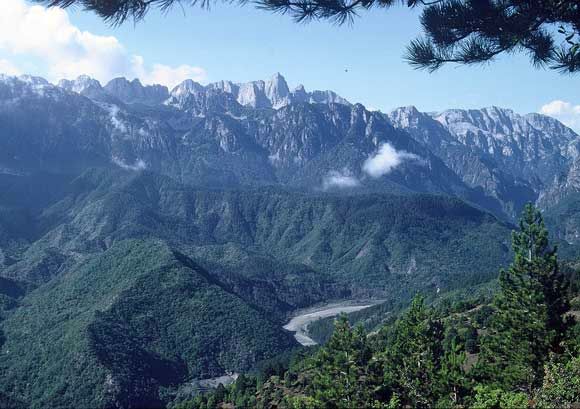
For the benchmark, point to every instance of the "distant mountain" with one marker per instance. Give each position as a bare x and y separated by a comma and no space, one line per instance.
261,133
203,135
152,237
273,93
513,158
533,147
148,284
132,92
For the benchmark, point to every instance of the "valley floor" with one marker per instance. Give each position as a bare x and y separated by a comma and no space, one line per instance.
299,323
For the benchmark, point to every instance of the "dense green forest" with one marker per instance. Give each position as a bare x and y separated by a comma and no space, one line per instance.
124,327
520,349
111,282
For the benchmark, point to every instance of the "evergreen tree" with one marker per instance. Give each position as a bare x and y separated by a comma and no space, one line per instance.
528,320
471,340
341,378
455,383
413,357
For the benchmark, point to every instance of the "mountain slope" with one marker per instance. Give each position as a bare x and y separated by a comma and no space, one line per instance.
375,241
118,285
120,328
512,158
204,136
533,147
151,237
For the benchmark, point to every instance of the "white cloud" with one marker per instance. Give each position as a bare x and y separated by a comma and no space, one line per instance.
563,111
171,76
340,180
138,165
115,120
385,160
6,67
48,35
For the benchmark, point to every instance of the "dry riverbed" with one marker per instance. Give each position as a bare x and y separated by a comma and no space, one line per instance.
300,322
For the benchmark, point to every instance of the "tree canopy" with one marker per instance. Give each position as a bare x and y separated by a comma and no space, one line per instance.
529,355
454,31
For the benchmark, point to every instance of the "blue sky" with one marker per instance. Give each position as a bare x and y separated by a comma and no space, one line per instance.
242,43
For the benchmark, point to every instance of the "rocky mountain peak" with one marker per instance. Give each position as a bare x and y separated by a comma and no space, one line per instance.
253,94
131,92
84,85
187,87
405,117
277,91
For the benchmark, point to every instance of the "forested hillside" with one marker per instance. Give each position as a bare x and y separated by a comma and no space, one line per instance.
123,274
520,350
155,240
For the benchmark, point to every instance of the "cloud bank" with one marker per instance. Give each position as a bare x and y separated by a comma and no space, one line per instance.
565,112
385,160
48,36
341,180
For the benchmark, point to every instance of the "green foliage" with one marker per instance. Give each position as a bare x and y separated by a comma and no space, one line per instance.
342,373
413,357
472,32
127,326
421,359
296,249
528,320
488,397
561,385
153,285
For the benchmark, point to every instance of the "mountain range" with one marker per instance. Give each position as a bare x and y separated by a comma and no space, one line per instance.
261,133
153,237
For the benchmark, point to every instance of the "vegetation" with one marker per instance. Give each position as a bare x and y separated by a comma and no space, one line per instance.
110,296
302,248
110,290
455,31
128,327
521,350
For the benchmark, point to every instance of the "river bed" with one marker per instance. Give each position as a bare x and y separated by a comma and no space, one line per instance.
299,323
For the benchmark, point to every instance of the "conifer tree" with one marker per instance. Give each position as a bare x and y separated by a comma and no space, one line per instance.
413,357
455,383
528,320
341,378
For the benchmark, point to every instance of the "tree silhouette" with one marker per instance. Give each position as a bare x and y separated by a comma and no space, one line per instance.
454,31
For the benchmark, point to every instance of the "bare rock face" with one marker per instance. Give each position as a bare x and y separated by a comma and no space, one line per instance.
260,132
515,158
131,92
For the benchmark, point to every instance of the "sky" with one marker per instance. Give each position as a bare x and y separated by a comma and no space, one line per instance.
363,62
